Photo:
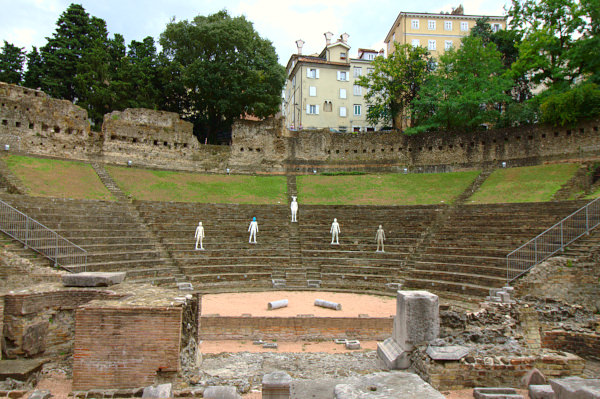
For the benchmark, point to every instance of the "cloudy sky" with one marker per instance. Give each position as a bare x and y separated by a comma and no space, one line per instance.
27,23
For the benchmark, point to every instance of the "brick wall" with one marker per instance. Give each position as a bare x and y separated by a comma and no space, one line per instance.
1,324
124,347
586,345
506,372
28,303
294,328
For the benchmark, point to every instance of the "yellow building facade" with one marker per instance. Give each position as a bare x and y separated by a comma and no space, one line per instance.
435,32
321,90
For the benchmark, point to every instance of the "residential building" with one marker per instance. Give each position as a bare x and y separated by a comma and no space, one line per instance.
436,32
321,90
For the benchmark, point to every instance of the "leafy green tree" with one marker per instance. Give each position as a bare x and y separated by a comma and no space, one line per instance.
142,72
227,70
584,55
33,75
549,30
466,90
568,107
11,63
394,83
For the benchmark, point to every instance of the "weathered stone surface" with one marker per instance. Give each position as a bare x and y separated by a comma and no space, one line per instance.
221,393
34,338
534,377
496,393
452,352
392,355
328,304
282,303
417,318
276,385
158,391
353,344
396,384
40,394
541,392
20,369
576,388
92,279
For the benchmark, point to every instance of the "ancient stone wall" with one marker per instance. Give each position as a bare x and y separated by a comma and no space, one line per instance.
294,328
42,323
124,347
156,139
31,121
303,151
584,344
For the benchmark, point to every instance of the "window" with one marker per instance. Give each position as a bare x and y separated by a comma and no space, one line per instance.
431,25
342,56
447,25
357,90
312,91
416,43
327,106
357,72
447,44
356,129
415,24
431,45
394,37
342,93
312,73
342,75
464,26
342,111
357,109
312,109
496,27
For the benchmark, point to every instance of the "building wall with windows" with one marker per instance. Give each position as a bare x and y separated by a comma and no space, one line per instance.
436,32
321,90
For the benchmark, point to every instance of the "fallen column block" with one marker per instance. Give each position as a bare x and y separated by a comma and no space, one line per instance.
282,303
327,304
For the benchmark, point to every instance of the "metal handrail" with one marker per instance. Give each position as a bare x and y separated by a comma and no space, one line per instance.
554,239
40,238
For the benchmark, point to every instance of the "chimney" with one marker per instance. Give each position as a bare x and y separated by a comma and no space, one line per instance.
299,44
328,36
344,37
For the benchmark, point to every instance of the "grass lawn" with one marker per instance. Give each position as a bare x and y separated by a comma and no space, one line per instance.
152,185
384,189
526,184
55,178
594,195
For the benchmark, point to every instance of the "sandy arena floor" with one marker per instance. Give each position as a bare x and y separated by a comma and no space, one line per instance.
299,302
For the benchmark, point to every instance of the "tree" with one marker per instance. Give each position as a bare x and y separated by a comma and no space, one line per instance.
466,90
77,36
33,75
227,70
141,71
548,28
584,54
394,83
11,63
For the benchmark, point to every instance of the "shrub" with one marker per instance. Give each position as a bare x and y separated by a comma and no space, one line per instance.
568,107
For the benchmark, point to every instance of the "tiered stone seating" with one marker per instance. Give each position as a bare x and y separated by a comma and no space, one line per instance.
354,264
113,239
468,253
228,260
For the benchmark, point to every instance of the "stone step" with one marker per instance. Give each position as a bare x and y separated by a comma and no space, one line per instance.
445,286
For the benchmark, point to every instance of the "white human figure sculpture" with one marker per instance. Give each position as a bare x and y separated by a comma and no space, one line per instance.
199,236
294,208
380,237
335,231
253,228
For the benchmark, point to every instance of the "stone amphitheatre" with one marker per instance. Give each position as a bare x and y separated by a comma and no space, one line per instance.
448,302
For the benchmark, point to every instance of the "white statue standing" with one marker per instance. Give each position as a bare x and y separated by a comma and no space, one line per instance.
294,208
253,229
335,231
199,236
380,237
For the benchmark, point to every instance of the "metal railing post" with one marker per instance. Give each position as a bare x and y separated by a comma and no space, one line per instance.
562,247
26,230
55,250
587,226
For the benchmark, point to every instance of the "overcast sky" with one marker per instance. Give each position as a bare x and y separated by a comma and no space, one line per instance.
27,23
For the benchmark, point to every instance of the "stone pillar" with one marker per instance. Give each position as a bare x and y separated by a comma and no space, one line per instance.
276,385
417,322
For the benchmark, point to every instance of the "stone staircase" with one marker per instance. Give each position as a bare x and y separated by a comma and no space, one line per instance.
113,239
108,182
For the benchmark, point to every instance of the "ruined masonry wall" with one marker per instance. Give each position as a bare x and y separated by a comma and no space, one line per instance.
30,121
584,344
294,328
42,323
124,347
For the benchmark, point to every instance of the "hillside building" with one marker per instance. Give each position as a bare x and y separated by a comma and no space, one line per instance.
436,32
321,90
